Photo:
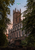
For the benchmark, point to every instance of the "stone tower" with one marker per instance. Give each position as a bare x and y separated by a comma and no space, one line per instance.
16,17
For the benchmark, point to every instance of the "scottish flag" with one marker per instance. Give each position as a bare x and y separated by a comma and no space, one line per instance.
18,3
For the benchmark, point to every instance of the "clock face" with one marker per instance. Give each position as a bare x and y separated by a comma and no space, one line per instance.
0,16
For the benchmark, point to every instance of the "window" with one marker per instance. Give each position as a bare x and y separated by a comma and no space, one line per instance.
22,33
21,26
19,33
19,19
14,35
16,28
16,19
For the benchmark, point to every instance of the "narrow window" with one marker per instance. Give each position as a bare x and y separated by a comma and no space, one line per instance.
19,33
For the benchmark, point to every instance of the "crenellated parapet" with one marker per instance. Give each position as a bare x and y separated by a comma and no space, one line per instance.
18,11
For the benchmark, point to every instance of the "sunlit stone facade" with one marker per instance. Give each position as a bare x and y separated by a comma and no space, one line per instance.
16,32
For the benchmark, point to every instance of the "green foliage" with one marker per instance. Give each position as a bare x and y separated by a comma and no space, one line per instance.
24,43
29,22
31,40
4,10
2,39
4,6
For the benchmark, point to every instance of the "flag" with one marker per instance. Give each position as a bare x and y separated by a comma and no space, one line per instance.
18,3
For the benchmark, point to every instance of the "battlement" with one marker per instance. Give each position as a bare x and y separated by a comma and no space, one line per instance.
16,11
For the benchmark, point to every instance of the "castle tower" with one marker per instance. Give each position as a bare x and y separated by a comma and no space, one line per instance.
16,16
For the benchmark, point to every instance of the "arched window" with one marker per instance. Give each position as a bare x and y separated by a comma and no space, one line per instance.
22,33
14,35
19,33
19,19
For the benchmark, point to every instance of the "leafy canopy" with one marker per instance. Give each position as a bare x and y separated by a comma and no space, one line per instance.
4,11
29,22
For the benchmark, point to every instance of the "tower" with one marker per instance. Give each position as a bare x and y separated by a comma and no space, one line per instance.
16,16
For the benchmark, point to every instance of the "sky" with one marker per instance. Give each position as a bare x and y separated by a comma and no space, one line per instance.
18,7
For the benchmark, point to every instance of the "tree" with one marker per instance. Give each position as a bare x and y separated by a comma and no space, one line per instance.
24,43
29,22
4,11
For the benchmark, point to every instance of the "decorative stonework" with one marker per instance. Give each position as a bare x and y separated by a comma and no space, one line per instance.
16,32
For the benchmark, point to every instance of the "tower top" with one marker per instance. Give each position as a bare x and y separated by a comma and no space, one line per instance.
16,10
16,19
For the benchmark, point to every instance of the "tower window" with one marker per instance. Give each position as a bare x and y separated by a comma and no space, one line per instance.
16,19
22,33
19,19
19,33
